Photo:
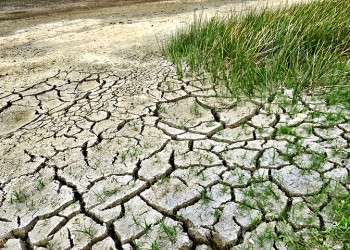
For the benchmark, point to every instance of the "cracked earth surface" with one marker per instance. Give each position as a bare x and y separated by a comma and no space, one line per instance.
107,159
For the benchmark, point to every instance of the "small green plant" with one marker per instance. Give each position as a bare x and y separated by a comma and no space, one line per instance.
194,109
267,235
154,245
162,109
41,184
210,124
224,189
146,227
217,213
49,246
286,130
332,118
109,192
205,196
169,231
317,161
255,222
164,180
86,230
123,156
136,221
31,205
309,130
18,197
136,245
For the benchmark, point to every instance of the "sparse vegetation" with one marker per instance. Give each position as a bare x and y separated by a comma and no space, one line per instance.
337,234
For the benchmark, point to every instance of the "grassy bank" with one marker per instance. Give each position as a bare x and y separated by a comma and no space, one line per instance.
302,46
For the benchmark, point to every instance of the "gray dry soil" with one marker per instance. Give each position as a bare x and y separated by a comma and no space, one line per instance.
102,147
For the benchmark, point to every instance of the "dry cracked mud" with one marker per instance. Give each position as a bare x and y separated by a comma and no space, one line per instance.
132,156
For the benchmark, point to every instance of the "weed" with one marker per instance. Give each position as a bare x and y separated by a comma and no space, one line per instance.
217,213
136,221
136,245
154,245
164,180
338,232
205,196
110,192
341,229
194,109
309,130
87,230
41,185
18,197
146,227
224,189
267,235
123,156
49,246
161,109
286,130
169,231
210,124
317,161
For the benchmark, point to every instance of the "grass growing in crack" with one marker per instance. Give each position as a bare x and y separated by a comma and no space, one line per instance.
154,245
301,46
286,130
205,196
136,245
338,151
169,231
217,213
266,236
164,180
49,246
317,161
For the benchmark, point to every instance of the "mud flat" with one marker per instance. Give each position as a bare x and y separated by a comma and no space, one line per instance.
102,147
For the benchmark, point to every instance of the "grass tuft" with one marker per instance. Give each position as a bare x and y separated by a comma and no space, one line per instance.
298,47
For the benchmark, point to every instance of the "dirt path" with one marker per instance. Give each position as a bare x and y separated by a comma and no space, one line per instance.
102,147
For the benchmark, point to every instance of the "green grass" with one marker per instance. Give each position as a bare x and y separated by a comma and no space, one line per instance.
339,95
300,46
341,229
337,234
